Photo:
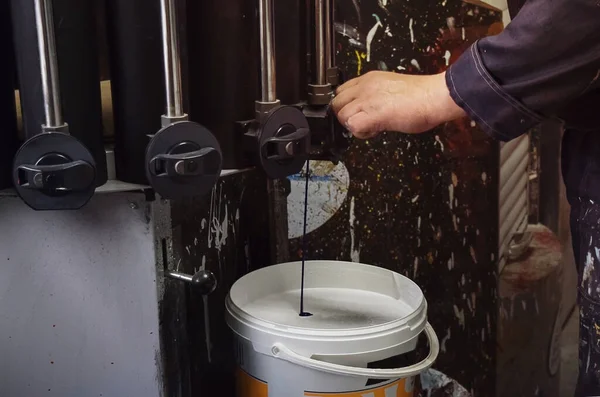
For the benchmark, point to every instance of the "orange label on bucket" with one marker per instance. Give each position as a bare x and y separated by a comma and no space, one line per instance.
395,389
248,386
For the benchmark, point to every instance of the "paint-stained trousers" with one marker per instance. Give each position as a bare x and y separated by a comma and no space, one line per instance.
581,172
585,227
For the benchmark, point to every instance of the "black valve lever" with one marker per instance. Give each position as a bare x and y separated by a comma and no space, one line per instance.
67,177
54,171
190,164
183,159
295,144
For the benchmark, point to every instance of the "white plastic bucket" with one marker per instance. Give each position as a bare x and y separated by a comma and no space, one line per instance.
361,314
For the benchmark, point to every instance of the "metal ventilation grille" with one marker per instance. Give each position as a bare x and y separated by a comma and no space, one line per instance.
514,177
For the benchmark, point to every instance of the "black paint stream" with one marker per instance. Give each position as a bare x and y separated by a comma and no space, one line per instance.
302,312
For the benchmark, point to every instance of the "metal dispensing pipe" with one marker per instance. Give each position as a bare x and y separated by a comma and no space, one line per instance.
281,132
267,52
44,24
52,170
329,136
325,74
171,61
184,158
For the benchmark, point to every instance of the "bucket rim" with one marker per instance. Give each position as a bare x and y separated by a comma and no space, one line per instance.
242,319
413,321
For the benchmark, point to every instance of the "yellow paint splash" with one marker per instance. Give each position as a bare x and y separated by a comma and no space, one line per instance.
359,58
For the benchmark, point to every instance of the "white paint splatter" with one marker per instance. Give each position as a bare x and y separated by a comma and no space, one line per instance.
371,36
419,223
354,252
484,177
415,199
460,315
447,56
415,267
451,194
439,142
464,34
472,250
587,271
400,68
444,340
415,64
412,32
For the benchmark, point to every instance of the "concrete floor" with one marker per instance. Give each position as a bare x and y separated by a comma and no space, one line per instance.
569,356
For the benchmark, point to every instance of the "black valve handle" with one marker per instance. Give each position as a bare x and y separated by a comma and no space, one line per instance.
54,171
183,160
283,142
288,146
67,177
190,164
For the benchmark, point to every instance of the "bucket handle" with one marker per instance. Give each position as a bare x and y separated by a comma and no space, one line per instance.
284,353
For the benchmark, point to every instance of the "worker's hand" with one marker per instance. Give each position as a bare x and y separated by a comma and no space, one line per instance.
387,101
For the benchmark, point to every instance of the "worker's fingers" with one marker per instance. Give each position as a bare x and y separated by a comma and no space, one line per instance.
348,111
362,125
344,98
346,85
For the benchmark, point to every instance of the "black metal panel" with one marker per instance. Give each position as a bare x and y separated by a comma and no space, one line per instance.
291,51
75,30
137,81
223,50
8,115
228,233
78,68
28,66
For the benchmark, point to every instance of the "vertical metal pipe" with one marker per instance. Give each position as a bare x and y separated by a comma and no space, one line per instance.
75,96
328,27
44,23
267,51
320,43
171,59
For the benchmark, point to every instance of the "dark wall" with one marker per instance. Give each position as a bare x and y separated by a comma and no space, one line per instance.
425,206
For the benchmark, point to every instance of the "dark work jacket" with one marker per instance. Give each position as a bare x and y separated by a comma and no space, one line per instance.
545,64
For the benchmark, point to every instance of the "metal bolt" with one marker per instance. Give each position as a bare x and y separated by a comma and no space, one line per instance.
38,180
289,148
180,167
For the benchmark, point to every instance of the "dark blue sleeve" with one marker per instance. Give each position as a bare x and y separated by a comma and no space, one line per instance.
547,58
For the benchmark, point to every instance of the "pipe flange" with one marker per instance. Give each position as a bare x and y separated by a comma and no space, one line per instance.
183,159
54,171
284,142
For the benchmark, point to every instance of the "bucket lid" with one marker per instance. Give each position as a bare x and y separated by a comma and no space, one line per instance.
349,302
